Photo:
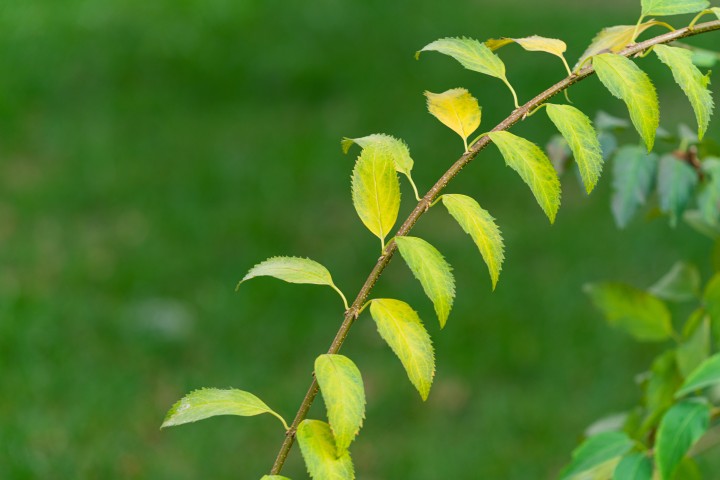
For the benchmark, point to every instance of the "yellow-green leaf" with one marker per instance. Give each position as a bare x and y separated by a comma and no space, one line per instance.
691,80
457,109
397,149
342,389
274,477
471,54
534,43
705,375
533,166
481,227
627,82
433,272
613,39
318,449
716,11
400,326
376,190
210,402
672,7
580,135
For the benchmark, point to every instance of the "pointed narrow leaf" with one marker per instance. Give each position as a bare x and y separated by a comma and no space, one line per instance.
481,227
680,428
376,190
691,80
400,326
633,173
613,39
579,133
433,272
695,347
627,82
596,451
676,182
342,389
210,402
635,311
533,166
672,7
707,374
471,54
457,109
635,466
397,149
680,284
322,460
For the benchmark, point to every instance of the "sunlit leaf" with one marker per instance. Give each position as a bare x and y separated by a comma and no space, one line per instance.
595,451
613,39
533,166
291,269
433,272
457,109
318,449
633,173
534,43
705,375
274,477
695,346
396,148
400,326
471,54
680,284
635,466
676,182
680,428
672,7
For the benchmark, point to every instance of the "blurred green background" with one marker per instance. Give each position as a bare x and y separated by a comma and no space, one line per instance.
152,152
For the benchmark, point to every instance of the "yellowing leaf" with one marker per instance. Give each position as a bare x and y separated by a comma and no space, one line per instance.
210,402
580,135
533,166
433,272
481,227
397,149
627,82
400,326
274,477
376,191
322,460
457,109
672,7
342,389
534,43
613,39
716,11
691,80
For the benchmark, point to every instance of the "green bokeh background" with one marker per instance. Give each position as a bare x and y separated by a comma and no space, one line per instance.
151,152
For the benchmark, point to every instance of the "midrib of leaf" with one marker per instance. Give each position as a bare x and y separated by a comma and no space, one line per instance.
683,425
376,192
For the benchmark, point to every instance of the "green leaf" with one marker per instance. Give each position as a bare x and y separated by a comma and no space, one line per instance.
695,347
342,389
680,284
274,477
660,388
705,375
635,466
396,148
711,297
676,182
633,174
433,272
708,197
605,121
400,326
376,191
627,82
672,7
613,39
680,428
635,311
457,109
210,402
595,451
691,80
471,54
322,460
533,166
481,227
579,133
716,11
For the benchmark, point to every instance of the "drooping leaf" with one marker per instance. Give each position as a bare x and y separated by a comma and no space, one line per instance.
676,182
376,190
579,133
695,346
595,451
635,466
396,148
633,174
640,314
210,402
680,284
433,272
672,7
471,54
613,39
626,81
481,227
680,428
691,80
559,153
534,43
533,166
400,326
318,449
457,109
705,375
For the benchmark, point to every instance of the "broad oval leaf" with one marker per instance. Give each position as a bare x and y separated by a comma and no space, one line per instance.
691,80
210,402
635,466
376,190
580,135
627,82
292,270
400,326
274,477
342,389
595,451
705,375
679,429
613,39
637,312
680,284
471,54
433,272
321,456
672,7
457,109
633,173
533,166
397,149
676,182
481,227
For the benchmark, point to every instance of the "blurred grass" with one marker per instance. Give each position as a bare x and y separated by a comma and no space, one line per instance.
151,152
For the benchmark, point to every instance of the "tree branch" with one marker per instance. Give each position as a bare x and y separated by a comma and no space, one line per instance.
423,205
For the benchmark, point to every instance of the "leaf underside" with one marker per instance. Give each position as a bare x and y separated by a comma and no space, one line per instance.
318,449
456,109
